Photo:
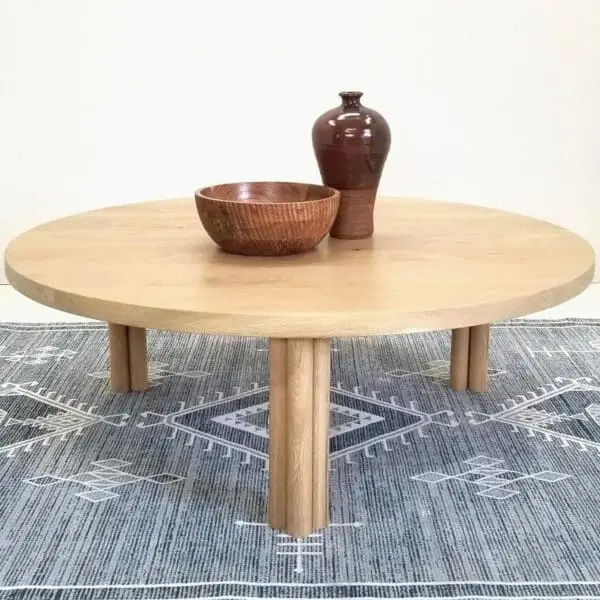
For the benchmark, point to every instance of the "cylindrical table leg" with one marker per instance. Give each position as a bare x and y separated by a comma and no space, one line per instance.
321,383
459,359
119,357
300,436
278,435
478,358
138,359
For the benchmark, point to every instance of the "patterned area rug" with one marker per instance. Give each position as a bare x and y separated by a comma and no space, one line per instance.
434,494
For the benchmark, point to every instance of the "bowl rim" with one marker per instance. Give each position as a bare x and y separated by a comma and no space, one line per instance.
334,195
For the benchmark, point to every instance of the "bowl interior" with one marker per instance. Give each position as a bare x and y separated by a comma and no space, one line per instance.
267,192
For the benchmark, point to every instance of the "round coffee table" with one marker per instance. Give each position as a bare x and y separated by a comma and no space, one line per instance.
430,265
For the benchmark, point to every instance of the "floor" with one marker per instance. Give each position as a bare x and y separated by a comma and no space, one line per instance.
17,308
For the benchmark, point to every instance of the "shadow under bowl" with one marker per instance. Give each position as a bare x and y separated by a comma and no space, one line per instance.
267,218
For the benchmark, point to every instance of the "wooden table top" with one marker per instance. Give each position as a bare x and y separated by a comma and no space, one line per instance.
430,265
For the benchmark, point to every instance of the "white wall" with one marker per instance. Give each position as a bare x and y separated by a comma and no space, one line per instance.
490,101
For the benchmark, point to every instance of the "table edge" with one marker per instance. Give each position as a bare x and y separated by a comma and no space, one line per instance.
303,325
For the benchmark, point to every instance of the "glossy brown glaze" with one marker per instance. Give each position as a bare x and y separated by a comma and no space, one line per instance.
267,218
351,143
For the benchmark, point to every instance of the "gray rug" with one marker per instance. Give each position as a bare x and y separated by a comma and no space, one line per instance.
434,494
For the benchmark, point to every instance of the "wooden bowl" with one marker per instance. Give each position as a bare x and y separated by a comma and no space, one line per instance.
267,218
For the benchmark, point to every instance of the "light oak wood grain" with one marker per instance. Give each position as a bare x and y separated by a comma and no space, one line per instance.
459,359
118,344
430,265
321,384
300,437
138,359
278,437
478,358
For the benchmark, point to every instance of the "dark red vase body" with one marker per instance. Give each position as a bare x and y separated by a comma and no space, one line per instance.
351,143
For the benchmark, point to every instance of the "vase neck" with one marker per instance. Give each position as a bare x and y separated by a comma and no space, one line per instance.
351,99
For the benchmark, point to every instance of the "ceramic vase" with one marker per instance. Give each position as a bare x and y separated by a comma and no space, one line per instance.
351,143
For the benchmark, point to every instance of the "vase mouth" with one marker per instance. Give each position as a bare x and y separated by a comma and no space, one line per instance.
350,98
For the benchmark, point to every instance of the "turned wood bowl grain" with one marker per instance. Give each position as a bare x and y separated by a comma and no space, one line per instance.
268,218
